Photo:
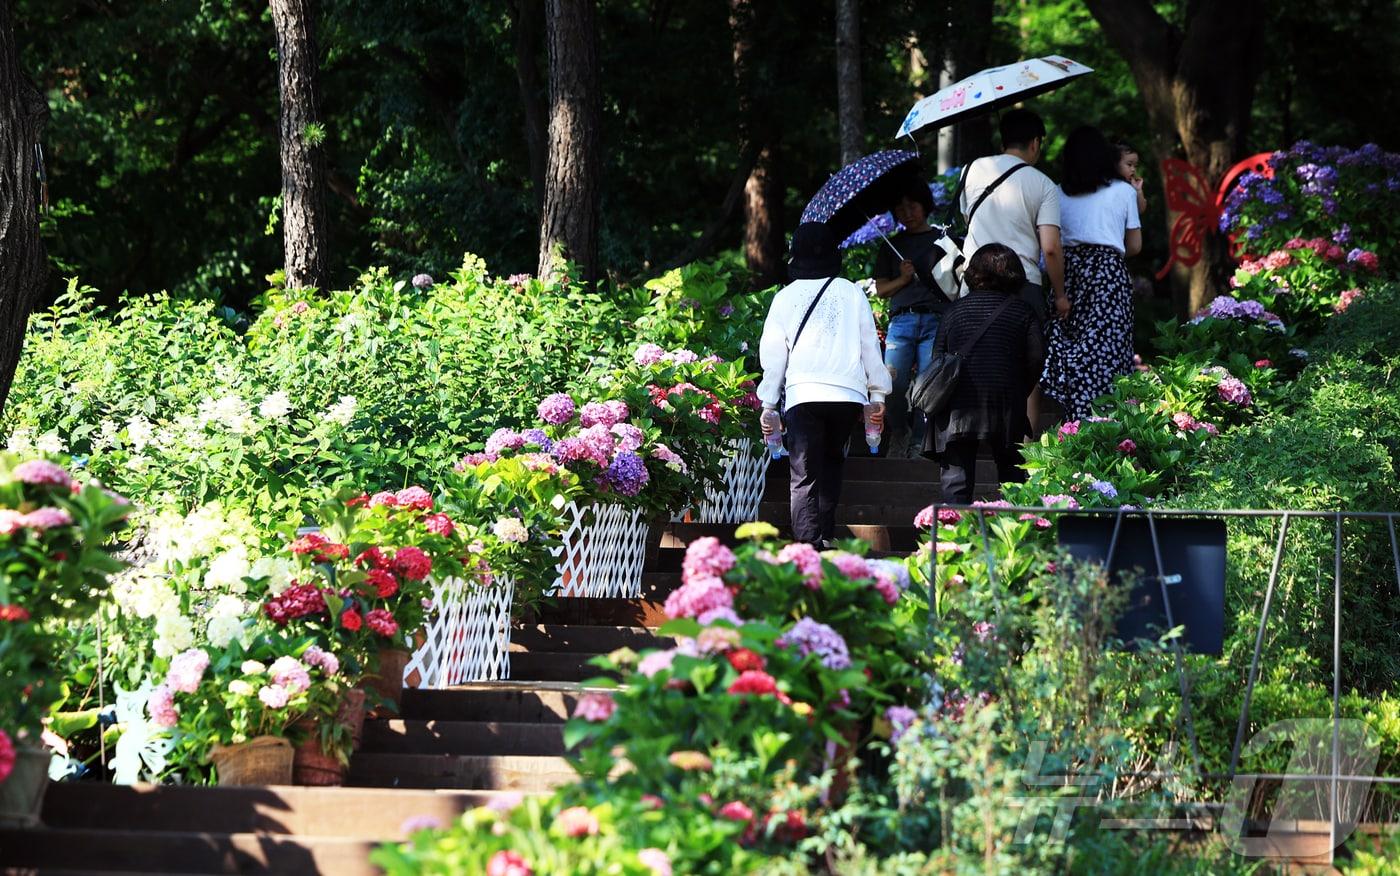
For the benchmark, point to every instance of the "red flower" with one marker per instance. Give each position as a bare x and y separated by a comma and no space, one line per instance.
11,613
298,600
351,620
7,756
382,622
1263,363
1127,445
320,548
735,810
412,563
372,558
439,524
744,659
383,581
754,681
356,502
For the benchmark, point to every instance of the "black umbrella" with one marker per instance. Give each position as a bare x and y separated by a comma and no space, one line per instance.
864,188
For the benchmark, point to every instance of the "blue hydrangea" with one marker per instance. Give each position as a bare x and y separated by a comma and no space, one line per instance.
627,473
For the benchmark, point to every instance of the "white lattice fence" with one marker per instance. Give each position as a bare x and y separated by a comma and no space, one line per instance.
468,638
603,552
736,501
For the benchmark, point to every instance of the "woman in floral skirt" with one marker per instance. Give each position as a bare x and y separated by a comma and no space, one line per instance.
1099,227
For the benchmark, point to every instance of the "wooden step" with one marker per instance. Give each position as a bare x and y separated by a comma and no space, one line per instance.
649,613
889,515
365,813
861,466
493,772
508,701
582,638
914,495
397,736
146,851
540,666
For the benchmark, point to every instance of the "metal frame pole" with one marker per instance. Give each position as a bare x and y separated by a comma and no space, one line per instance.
1258,646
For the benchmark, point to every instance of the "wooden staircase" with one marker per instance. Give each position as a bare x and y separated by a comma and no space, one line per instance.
448,751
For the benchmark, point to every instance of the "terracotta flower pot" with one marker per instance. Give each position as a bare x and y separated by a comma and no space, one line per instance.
262,760
351,713
388,682
312,765
22,793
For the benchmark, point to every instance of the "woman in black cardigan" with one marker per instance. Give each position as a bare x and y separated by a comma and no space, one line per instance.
989,403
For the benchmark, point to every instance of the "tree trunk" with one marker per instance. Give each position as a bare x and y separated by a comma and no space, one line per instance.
849,110
23,265
305,221
527,18
1198,87
569,220
764,245
969,51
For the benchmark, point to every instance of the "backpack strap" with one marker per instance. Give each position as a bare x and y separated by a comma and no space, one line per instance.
989,189
808,315
967,347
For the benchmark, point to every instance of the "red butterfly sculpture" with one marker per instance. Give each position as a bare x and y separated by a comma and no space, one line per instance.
1193,212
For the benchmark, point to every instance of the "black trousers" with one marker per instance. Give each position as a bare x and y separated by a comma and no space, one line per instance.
959,476
817,435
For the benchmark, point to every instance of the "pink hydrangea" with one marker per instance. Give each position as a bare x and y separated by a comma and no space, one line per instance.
187,670
1040,522
648,354
160,703
1234,391
656,661
599,445
596,414
290,673
629,437
474,459
504,439
274,696
556,409
656,861
1184,421
10,521
46,518
8,755
1348,298
42,472
508,863
414,497
706,558
381,620
736,810
439,524
594,706
807,560
1127,445
850,565
697,596
924,519
412,563
322,659
1067,429
885,586
383,497
669,457
722,613
576,821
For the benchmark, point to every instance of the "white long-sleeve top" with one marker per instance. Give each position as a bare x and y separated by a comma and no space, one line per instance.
837,358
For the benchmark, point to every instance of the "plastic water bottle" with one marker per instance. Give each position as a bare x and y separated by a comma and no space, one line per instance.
775,433
872,432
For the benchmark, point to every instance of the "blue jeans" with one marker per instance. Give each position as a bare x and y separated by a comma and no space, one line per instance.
908,351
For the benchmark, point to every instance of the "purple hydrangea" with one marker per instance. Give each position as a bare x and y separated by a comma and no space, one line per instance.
1234,391
595,413
422,281
1104,488
811,637
599,443
629,437
538,438
900,718
557,409
504,439
627,473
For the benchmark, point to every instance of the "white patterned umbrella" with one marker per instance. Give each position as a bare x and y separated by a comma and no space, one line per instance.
990,89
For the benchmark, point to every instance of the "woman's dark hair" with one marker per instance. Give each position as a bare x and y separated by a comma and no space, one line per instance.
1089,162
995,267
919,193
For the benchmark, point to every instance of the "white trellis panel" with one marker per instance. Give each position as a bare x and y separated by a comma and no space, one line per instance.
744,477
468,635
603,552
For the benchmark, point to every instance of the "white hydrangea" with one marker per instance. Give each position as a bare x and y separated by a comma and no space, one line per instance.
226,621
21,441
228,411
276,406
49,443
107,435
227,571
343,411
276,571
204,532
510,529
174,633
347,323
145,595
139,432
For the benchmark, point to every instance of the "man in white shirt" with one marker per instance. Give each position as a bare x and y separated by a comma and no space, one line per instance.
1021,210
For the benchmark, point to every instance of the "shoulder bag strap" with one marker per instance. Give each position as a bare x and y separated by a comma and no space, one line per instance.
967,347
808,315
988,190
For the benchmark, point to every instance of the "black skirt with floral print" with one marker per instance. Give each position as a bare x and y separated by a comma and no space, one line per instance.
1085,352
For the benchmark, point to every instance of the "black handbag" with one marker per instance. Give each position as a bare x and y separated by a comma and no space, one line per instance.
934,386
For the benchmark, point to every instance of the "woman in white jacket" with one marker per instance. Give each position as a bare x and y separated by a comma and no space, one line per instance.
821,360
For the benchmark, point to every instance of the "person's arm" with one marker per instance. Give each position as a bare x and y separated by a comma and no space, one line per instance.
1136,183
1132,242
877,376
1132,238
1054,265
887,287
773,358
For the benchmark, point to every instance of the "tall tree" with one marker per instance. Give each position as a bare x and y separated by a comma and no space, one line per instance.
1197,81
23,266
760,129
572,192
526,18
972,25
849,106
305,222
